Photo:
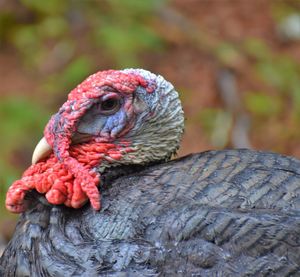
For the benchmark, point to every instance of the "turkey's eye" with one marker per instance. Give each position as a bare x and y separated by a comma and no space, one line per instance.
110,106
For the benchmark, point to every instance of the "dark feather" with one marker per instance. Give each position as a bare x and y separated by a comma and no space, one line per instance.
218,213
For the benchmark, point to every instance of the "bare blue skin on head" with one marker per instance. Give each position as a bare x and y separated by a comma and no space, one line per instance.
155,118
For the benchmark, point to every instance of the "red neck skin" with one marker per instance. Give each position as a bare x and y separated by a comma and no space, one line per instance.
61,185
69,175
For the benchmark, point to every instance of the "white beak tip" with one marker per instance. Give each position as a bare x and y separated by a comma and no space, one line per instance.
41,151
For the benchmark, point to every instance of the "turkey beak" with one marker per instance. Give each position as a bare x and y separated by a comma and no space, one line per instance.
41,151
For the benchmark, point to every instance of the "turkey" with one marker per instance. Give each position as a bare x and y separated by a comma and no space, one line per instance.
216,213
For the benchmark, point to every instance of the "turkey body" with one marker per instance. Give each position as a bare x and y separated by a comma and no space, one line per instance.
217,213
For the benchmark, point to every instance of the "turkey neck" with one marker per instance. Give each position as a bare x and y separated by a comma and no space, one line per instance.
112,174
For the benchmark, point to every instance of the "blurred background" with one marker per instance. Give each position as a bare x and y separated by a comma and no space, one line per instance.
236,64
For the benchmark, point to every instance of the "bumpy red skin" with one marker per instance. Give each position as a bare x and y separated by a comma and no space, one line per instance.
69,175
51,177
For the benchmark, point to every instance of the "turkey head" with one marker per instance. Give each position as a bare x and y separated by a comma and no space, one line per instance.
112,118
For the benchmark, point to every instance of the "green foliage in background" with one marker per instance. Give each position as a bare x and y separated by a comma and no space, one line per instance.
24,120
277,72
60,43
126,31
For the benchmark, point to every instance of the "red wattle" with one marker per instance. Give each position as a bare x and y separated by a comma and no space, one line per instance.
67,176
60,184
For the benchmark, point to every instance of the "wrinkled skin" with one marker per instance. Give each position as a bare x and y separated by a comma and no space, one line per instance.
99,126
62,177
58,183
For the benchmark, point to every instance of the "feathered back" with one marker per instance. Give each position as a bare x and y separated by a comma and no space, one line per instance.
219,213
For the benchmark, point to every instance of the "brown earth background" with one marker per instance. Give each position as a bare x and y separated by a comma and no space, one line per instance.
236,64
